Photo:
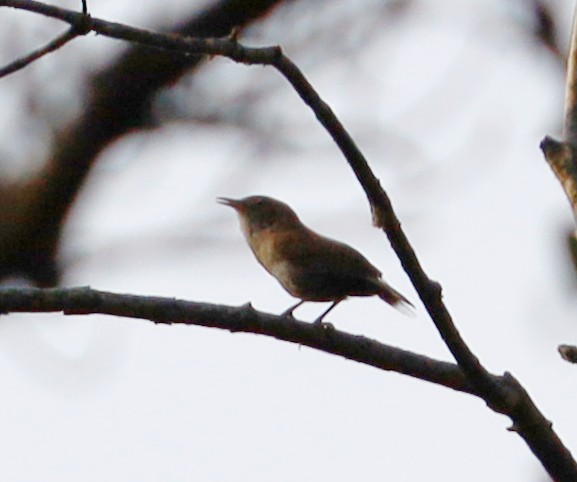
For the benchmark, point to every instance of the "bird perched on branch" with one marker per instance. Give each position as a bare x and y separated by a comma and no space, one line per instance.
307,265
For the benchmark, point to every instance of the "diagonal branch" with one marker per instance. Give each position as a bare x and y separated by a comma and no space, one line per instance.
51,46
505,395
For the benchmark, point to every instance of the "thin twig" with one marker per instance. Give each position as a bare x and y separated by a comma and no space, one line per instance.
226,46
51,46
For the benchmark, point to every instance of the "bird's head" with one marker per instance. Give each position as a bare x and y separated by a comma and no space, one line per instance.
261,212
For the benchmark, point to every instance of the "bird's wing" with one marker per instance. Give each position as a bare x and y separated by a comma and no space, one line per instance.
327,254
324,269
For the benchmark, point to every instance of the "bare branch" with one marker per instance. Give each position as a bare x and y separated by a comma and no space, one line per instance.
84,301
561,155
385,218
509,397
561,158
51,46
227,46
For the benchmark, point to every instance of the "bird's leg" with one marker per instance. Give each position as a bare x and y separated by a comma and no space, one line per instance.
289,312
319,320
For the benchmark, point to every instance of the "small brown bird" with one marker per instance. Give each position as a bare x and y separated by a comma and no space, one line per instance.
307,265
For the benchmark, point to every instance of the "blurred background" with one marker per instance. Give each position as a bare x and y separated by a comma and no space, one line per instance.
111,157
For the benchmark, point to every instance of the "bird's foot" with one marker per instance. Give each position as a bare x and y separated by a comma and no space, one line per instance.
288,313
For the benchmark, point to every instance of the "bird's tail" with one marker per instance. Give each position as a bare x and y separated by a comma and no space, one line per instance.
394,298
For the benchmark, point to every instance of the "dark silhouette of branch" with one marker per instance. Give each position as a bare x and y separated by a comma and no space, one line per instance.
502,394
118,101
84,301
51,46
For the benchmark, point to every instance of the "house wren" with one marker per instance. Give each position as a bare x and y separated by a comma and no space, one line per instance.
307,265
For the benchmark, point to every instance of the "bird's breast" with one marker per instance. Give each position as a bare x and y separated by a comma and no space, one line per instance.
263,244
267,246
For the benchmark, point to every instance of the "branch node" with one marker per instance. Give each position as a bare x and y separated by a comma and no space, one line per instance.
234,34
83,26
561,158
554,150
568,353
382,218
436,289
513,428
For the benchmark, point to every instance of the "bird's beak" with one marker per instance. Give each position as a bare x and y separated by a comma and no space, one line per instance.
233,203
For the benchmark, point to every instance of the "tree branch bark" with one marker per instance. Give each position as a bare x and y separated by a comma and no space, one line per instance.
51,46
561,154
85,301
504,395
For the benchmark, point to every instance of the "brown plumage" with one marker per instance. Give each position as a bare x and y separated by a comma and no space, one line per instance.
309,266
